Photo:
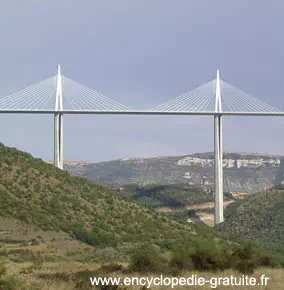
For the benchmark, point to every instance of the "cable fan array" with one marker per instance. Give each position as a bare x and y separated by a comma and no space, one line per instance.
202,99
76,97
42,96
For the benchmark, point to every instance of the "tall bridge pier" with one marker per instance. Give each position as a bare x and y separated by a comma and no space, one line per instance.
218,154
58,140
58,124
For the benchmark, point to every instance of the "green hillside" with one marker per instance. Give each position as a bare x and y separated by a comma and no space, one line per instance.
180,202
259,217
54,227
176,195
40,194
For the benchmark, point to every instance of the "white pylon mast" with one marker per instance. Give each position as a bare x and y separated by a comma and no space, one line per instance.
58,123
218,103
218,150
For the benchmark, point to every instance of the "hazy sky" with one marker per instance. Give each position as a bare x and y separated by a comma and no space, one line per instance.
141,53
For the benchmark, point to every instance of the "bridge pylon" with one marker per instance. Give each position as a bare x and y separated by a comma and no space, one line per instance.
218,155
58,124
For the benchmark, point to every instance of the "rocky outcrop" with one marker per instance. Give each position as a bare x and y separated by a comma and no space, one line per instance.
231,163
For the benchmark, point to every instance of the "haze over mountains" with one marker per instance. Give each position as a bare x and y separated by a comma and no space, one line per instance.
243,172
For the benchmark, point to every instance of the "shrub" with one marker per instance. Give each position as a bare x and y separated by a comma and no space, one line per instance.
146,259
246,266
2,271
208,257
9,283
111,268
248,257
181,259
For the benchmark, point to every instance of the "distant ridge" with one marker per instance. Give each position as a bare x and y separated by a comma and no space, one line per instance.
243,172
80,162
165,156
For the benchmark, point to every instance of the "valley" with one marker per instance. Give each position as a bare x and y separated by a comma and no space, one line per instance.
244,173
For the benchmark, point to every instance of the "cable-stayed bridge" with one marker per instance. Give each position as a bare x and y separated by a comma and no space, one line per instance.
59,95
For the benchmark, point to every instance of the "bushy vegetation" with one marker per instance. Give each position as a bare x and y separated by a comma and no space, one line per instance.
176,195
7,282
147,259
37,193
259,217
171,199
201,255
79,279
